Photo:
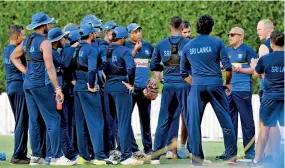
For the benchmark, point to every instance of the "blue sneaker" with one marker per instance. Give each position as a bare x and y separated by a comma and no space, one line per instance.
183,153
255,165
48,159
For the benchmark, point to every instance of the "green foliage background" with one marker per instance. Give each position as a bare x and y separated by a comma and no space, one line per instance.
152,16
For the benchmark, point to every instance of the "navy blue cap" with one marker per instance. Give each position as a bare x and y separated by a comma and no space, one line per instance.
87,28
39,19
121,32
71,27
74,35
109,25
133,26
93,20
56,34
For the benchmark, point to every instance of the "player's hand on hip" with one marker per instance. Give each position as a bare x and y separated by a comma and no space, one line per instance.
129,86
93,90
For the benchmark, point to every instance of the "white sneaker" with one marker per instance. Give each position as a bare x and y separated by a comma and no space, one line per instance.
155,162
171,155
34,161
62,161
131,161
207,161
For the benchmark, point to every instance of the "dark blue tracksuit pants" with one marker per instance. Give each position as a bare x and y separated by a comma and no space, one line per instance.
121,104
173,101
200,96
89,120
68,109
144,106
240,101
174,128
40,102
18,104
66,121
109,126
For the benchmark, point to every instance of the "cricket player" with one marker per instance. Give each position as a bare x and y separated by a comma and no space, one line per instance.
16,95
88,108
175,89
272,103
110,127
37,51
264,29
62,61
119,68
141,52
241,89
203,55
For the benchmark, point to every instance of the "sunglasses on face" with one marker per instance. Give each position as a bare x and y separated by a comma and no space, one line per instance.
233,34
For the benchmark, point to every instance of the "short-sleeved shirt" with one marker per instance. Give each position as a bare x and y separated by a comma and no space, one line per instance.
272,65
241,57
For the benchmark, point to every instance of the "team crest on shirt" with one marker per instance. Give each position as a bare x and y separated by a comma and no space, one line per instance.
230,56
240,56
147,52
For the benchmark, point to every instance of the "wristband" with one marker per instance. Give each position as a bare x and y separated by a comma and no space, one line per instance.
57,89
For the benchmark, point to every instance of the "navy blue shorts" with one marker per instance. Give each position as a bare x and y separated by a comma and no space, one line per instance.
272,111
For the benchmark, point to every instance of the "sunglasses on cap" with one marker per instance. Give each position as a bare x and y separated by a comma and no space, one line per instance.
233,34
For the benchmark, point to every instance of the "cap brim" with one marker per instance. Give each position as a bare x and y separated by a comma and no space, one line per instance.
59,37
33,26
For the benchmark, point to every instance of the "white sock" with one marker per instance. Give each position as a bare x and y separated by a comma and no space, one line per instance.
254,161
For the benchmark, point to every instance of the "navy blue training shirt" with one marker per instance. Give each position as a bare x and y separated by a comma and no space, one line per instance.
142,59
35,70
241,57
61,60
14,77
272,65
162,53
88,57
203,55
118,67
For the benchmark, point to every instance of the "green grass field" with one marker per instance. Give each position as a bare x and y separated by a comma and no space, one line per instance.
211,149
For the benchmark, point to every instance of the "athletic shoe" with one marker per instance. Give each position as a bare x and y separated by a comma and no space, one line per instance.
37,161
132,161
110,162
139,155
171,155
155,162
62,161
183,153
48,159
221,157
115,155
99,162
255,165
82,161
20,161
205,161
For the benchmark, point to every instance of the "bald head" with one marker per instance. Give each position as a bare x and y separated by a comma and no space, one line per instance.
264,29
236,36
238,30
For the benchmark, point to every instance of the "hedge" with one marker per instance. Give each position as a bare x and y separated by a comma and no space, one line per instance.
152,16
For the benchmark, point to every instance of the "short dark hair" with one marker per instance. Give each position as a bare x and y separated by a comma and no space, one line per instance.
85,37
277,38
186,24
15,30
205,24
175,22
